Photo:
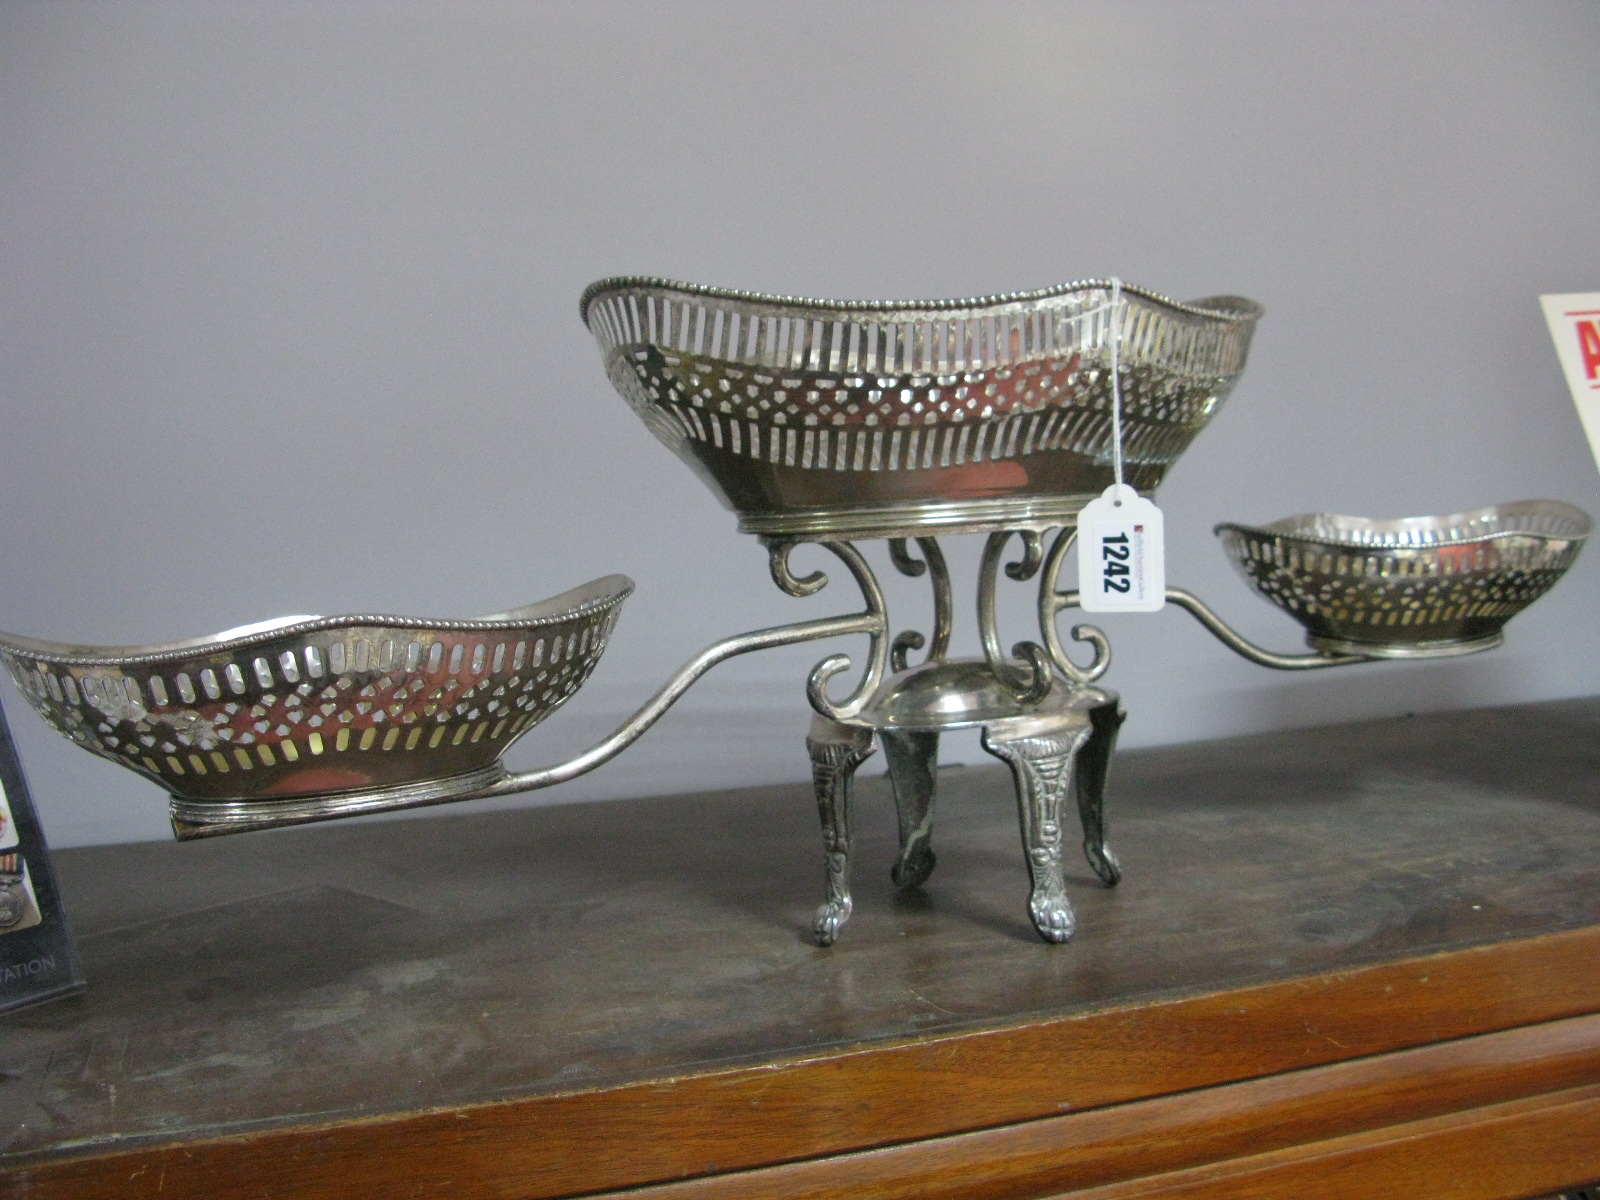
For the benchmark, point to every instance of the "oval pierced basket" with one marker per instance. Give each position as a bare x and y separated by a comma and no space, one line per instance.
1411,587
861,419
264,716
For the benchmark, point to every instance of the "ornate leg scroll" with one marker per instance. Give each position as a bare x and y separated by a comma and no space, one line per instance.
1041,760
1094,764
836,751
913,765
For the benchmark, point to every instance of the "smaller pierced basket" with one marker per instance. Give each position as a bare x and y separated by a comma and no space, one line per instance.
1414,587
321,715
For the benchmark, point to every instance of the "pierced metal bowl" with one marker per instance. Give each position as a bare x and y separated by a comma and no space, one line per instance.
1414,587
256,719
839,419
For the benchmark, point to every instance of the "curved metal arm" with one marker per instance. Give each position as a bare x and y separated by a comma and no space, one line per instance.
1225,634
874,622
194,820
634,727
1239,644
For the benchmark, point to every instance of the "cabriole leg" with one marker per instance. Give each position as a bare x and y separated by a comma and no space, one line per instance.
836,751
1041,763
1094,765
913,765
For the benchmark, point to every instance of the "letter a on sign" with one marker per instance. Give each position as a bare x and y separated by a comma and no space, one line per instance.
1574,320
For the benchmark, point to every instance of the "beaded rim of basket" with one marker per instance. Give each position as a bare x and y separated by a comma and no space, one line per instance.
316,705
1449,581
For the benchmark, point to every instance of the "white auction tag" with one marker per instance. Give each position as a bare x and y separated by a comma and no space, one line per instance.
1574,320
1122,564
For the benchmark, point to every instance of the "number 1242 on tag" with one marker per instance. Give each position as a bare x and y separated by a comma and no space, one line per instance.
1121,564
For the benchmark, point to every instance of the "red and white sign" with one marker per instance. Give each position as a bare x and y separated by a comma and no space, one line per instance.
8,827
1574,320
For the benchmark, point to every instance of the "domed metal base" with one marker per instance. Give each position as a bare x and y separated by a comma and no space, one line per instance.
962,692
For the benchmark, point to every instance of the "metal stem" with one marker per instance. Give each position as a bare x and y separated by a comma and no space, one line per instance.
1248,649
874,622
1030,680
932,559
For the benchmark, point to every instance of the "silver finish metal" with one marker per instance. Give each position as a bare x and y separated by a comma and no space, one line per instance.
906,564
1028,672
1058,744
913,771
1094,770
274,713
1414,587
1202,612
958,693
1242,646
497,657
853,419
836,751
1040,714
1042,752
1055,730
1052,601
878,656
819,422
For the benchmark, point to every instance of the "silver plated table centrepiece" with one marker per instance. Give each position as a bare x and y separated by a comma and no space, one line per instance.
820,422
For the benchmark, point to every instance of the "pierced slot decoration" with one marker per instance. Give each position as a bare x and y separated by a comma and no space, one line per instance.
327,705
788,403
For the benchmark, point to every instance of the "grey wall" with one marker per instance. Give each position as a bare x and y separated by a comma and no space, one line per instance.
288,310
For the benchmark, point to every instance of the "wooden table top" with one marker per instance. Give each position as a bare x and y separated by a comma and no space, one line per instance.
443,968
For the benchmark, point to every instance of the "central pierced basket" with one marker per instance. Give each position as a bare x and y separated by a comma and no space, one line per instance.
834,420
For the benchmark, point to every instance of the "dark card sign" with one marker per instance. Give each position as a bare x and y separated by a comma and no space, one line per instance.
37,957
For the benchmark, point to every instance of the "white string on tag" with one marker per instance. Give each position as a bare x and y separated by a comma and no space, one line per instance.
1121,540
1115,321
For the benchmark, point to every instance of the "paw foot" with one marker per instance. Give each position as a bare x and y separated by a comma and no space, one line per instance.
1104,862
1052,917
914,866
829,920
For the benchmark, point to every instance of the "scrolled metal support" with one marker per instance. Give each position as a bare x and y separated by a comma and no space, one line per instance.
1051,602
794,585
778,550
1030,681
932,560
